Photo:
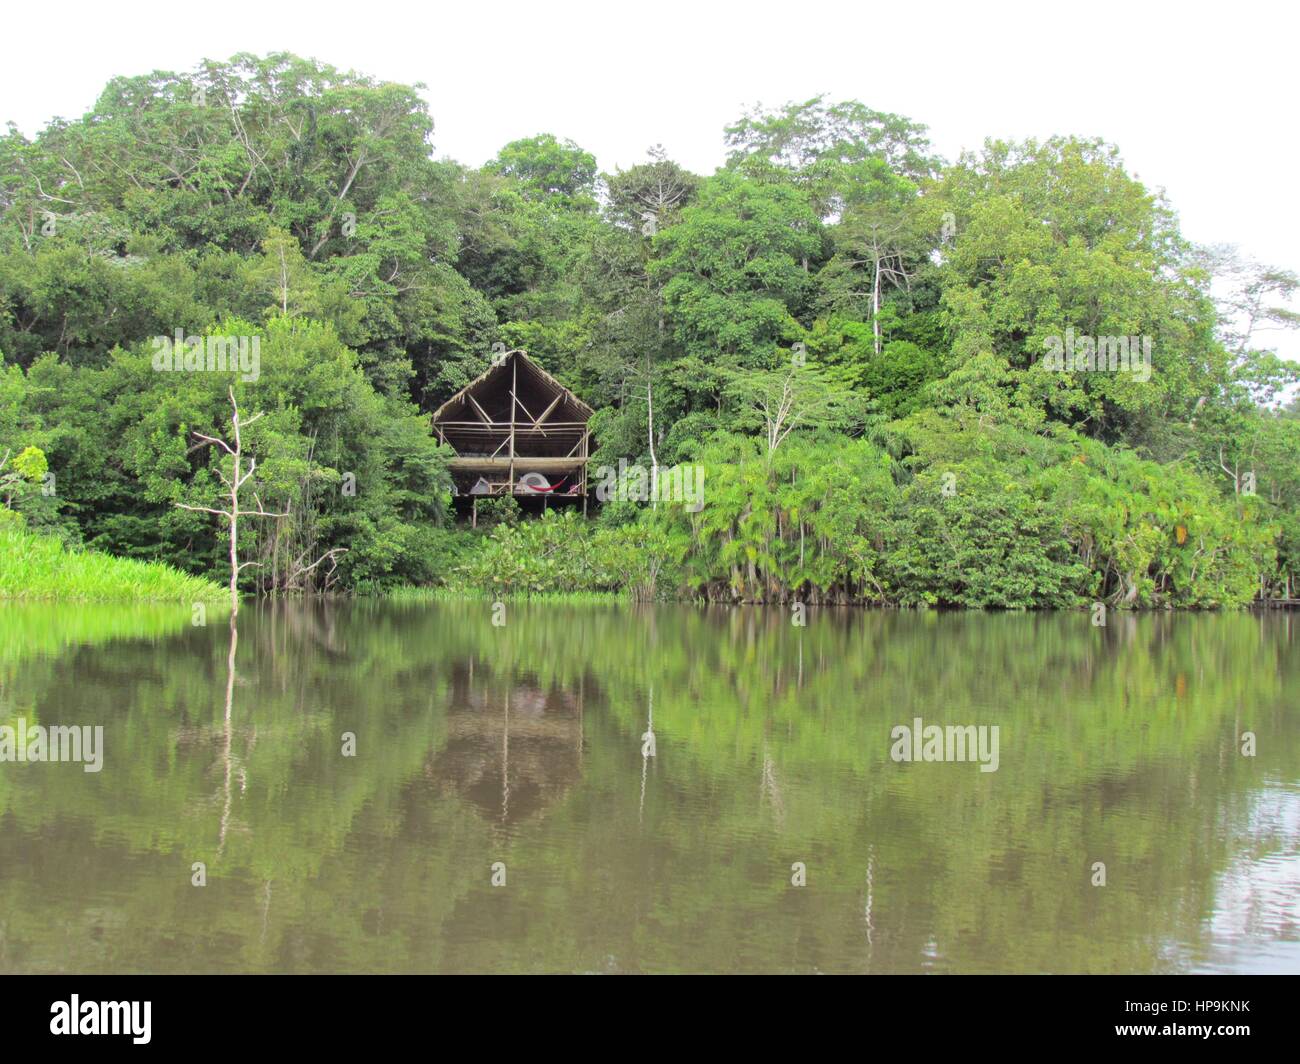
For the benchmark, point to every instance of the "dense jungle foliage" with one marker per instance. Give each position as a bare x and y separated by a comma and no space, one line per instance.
845,331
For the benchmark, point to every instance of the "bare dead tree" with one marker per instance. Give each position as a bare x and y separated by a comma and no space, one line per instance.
238,478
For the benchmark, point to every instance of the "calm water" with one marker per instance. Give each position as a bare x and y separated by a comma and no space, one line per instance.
523,745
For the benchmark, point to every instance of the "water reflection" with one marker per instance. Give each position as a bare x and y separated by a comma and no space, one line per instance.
513,748
1257,898
649,777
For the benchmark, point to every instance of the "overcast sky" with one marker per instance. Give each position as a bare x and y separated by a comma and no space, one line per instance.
1200,100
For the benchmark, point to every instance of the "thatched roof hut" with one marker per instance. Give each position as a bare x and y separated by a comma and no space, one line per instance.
516,430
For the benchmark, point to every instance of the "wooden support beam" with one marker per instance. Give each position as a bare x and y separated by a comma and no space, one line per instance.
503,425
481,412
539,422
522,463
524,408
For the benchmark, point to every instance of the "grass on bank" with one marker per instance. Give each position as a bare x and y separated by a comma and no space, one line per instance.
41,568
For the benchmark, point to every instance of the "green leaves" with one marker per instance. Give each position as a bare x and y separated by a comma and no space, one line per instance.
281,197
550,170
736,269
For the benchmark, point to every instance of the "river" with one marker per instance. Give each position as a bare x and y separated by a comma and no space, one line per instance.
415,788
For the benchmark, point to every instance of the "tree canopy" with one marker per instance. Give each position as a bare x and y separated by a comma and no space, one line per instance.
844,330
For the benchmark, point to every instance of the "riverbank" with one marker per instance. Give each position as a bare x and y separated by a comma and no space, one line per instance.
410,594
41,568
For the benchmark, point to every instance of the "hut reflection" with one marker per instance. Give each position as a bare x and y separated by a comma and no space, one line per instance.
513,747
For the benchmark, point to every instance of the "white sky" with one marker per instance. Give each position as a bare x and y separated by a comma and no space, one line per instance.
1201,99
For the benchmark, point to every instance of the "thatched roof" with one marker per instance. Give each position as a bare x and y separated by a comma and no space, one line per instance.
501,373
